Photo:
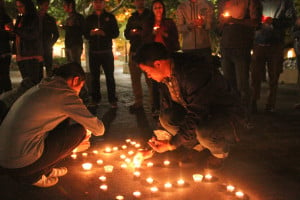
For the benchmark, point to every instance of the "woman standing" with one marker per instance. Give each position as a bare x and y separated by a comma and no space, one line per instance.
5,50
28,42
160,29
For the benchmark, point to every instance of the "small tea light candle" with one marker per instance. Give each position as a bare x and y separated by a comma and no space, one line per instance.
124,146
107,150
115,148
226,14
137,194
95,152
87,166
150,164
99,162
119,197
123,165
208,177
128,140
130,153
122,156
102,178
197,177
167,163
108,168
180,182
137,174
103,187
239,194
154,189
168,185
128,160
137,145
132,143
150,180
230,188
84,154
74,156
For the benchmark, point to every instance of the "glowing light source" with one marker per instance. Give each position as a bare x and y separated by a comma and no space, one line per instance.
108,168
197,177
87,166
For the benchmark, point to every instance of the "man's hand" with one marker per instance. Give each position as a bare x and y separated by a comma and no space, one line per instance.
160,146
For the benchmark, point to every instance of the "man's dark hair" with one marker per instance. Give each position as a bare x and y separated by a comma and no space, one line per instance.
72,2
150,52
40,2
70,70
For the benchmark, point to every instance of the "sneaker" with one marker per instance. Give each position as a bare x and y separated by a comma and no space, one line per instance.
135,107
114,105
46,182
61,171
214,163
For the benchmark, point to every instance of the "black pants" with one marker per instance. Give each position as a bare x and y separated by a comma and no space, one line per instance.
48,62
5,82
31,69
58,145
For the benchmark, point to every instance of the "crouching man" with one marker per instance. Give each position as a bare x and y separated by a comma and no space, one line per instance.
44,126
198,107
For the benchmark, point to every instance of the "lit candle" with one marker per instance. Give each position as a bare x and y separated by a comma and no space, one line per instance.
95,152
154,189
103,187
122,156
180,182
124,165
115,148
230,188
74,156
84,154
87,166
168,185
130,153
108,168
137,174
150,164
99,162
137,145
226,14
208,177
119,197
137,194
124,146
128,160
166,163
197,177
107,150
132,143
150,180
102,178
128,140
155,28
239,194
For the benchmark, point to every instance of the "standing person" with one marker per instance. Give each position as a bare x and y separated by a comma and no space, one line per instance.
268,48
44,135
159,28
133,33
28,43
199,108
195,21
296,37
101,28
74,27
237,21
5,50
49,34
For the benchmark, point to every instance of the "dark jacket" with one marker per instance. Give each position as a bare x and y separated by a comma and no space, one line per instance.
108,23
168,26
74,27
206,93
136,21
4,35
50,32
27,28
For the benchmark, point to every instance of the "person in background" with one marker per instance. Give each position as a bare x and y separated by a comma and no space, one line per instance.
5,50
159,28
45,135
74,31
49,34
28,42
195,19
199,109
237,22
101,28
268,48
133,33
296,37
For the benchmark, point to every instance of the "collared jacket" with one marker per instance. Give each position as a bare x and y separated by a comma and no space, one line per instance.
187,12
206,93
245,16
74,27
26,125
4,35
136,21
49,31
283,16
108,23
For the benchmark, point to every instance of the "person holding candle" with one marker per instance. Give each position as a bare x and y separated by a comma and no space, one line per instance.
36,135
158,28
199,108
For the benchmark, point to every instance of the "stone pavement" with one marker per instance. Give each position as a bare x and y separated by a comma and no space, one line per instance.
265,164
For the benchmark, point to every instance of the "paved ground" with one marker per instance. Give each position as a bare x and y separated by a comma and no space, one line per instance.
265,165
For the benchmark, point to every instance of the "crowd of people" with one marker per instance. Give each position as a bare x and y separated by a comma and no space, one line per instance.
198,104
